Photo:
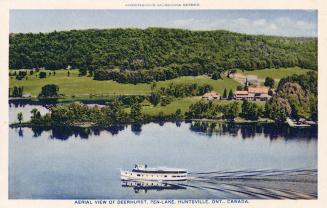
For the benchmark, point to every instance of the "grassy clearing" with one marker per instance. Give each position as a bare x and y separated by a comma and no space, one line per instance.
85,86
218,85
275,73
184,104
75,86
78,86
181,103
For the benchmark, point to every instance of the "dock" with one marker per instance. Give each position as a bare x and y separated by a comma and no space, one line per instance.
291,123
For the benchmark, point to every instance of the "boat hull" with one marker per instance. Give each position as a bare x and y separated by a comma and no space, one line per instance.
130,175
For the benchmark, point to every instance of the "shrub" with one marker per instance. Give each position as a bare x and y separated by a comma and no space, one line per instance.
42,75
49,90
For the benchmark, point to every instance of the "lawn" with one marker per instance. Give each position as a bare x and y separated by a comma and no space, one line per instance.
78,86
181,103
275,73
184,104
218,85
85,86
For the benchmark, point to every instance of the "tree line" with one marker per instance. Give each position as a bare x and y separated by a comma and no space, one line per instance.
23,74
210,110
148,49
156,74
75,114
115,113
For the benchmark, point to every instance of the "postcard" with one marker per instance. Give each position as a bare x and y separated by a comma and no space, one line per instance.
162,103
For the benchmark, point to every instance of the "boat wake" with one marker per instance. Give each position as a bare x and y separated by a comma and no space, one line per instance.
243,184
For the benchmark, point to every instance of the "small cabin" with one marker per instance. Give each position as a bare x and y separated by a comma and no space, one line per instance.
26,96
211,96
243,95
260,92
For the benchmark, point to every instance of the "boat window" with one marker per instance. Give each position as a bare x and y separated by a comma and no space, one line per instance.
174,176
138,175
165,176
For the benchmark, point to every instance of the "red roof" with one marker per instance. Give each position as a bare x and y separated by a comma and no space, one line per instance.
261,90
211,94
241,92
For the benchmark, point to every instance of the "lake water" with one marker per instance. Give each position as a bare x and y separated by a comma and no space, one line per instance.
66,163
14,109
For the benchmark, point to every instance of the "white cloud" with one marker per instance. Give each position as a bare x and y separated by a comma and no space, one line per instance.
260,22
184,22
282,26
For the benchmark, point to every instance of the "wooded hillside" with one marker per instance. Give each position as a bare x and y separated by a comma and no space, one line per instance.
134,49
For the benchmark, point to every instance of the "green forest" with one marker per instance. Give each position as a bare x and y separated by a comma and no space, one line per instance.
160,49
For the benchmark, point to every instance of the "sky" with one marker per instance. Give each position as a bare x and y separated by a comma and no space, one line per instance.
293,23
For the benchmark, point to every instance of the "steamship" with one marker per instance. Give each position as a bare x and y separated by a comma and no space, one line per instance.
143,172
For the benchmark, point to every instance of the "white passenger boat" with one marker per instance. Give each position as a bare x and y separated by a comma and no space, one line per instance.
142,172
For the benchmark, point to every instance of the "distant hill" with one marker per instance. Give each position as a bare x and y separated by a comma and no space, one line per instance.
134,49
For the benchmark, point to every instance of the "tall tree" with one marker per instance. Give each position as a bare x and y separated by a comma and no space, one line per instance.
36,117
49,90
230,94
17,91
231,110
153,86
136,114
277,109
116,113
250,110
225,94
269,82
20,117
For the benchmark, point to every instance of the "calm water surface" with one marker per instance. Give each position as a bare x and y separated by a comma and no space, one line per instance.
26,109
63,163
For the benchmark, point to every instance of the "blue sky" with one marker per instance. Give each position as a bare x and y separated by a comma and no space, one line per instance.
298,23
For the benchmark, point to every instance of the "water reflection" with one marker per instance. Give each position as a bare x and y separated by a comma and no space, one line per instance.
24,103
64,133
272,131
13,104
136,129
145,186
178,123
246,131
21,132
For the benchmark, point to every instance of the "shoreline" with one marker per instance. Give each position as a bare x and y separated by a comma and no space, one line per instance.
94,125
148,117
